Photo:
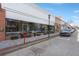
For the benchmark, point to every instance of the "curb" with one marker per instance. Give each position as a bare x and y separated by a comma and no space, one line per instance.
17,47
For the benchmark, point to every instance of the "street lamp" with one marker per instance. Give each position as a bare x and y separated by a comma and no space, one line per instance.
49,26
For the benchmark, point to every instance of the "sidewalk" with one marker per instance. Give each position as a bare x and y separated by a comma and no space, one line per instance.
10,43
57,46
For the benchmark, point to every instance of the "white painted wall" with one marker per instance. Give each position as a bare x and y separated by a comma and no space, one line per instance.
29,9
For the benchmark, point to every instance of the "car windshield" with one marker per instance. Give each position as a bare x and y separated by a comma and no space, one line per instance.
65,30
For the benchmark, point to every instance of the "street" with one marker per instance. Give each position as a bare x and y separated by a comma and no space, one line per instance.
58,46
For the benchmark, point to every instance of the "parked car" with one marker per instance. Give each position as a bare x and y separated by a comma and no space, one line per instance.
35,32
72,30
65,32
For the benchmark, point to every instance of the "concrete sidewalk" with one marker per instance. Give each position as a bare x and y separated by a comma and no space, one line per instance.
10,43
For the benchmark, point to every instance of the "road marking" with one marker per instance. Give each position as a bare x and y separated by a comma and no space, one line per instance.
68,39
78,36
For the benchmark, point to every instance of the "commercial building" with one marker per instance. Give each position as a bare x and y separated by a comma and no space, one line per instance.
18,18
58,22
66,25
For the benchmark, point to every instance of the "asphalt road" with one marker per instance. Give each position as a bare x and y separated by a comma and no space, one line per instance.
58,46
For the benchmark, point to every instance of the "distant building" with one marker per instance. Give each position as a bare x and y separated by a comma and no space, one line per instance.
57,24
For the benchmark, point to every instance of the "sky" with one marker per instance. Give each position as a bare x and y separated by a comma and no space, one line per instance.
69,11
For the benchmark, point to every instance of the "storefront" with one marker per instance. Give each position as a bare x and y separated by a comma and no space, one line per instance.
18,19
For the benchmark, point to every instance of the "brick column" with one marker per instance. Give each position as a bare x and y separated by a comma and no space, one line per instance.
2,24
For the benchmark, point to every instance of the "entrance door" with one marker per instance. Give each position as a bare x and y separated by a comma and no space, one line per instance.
24,27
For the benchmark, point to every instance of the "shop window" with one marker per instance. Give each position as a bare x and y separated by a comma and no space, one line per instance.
11,25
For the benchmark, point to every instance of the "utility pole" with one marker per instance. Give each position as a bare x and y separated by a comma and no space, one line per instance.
49,26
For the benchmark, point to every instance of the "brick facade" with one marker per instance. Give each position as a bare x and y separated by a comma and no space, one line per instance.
57,24
2,24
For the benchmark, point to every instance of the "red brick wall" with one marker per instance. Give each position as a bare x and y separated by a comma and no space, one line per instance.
2,24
